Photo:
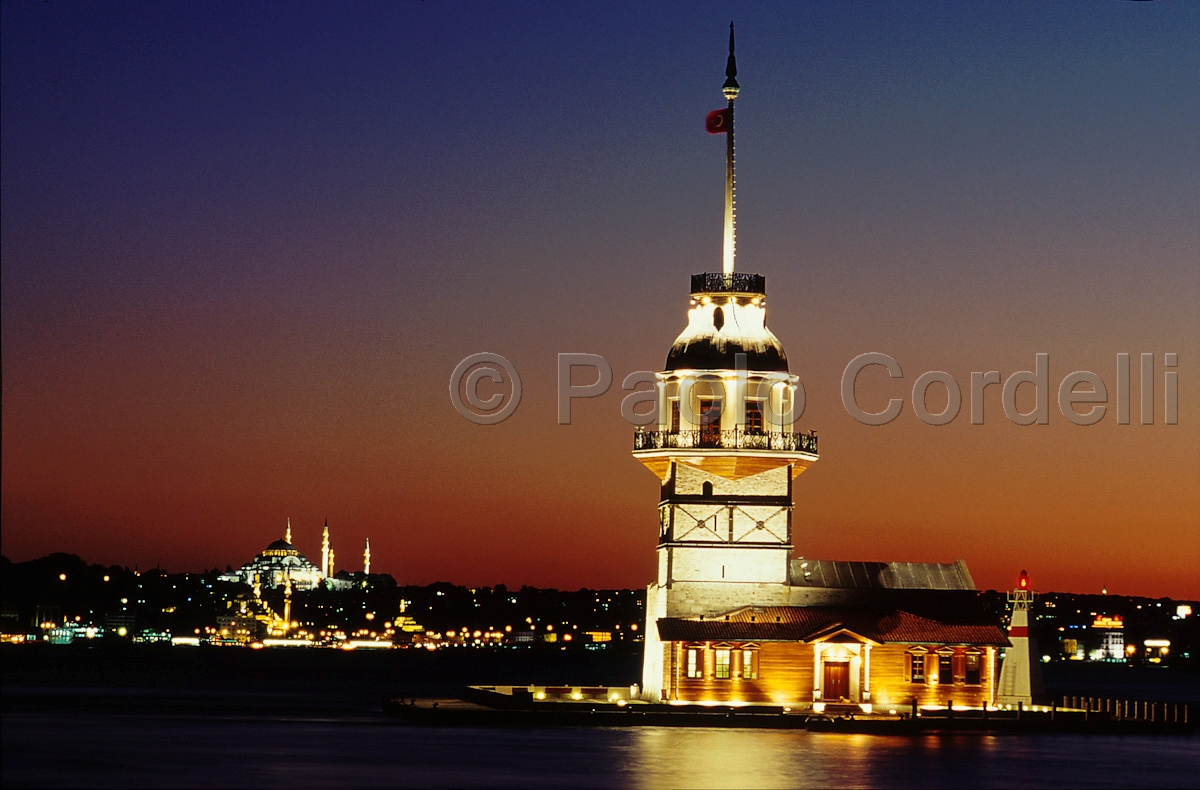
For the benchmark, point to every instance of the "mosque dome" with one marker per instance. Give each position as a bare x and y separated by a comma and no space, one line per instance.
280,548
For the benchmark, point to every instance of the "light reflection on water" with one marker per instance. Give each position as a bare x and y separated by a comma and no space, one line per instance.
157,750
788,758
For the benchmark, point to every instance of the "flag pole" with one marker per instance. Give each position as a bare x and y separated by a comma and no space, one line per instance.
730,89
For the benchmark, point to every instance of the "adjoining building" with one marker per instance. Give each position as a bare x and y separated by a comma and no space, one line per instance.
869,634
731,617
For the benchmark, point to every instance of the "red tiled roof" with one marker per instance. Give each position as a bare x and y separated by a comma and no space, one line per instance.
807,623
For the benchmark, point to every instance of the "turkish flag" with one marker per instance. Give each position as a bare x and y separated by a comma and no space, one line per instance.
718,121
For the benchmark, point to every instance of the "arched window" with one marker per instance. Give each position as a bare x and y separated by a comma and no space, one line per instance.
706,489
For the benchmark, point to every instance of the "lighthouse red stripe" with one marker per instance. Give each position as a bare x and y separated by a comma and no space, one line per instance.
1018,630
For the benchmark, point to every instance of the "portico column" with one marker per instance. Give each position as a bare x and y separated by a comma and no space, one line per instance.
991,670
816,672
866,673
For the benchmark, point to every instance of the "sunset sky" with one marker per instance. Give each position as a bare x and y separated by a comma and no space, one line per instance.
244,246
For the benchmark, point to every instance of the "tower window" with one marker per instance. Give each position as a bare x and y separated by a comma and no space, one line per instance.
710,422
754,416
721,666
674,416
718,318
710,411
707,488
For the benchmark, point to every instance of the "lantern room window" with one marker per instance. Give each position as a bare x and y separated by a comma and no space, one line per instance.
754,417
710,422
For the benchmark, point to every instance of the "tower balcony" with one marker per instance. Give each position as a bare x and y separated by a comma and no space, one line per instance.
731,454
735,283
735,439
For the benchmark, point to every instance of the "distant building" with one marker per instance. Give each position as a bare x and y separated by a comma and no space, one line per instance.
281,561
1111,644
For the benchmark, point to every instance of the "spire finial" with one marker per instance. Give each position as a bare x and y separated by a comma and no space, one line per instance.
287,533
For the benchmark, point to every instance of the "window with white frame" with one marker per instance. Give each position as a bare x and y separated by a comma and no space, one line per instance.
721,663
916,667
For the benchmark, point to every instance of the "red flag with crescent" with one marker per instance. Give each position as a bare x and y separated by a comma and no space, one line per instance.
717,121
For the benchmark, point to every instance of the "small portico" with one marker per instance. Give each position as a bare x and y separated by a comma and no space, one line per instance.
842,667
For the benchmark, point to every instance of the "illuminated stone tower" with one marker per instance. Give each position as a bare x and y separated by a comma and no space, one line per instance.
724,447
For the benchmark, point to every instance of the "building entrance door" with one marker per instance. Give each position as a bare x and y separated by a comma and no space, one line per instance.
837,680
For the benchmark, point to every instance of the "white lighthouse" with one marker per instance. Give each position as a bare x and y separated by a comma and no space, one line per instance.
1020,678
724,447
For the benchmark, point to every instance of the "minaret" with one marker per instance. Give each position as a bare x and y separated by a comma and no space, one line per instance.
1020,676
287,533
326,571
725,449
287,601
367,559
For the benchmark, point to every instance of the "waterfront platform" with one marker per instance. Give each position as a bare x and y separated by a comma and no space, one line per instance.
567,706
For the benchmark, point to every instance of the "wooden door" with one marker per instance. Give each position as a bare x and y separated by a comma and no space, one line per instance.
837,680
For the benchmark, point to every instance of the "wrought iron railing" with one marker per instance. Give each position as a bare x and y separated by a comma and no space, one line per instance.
736,439
738,282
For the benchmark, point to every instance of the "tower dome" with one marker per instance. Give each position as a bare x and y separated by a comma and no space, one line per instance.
727,319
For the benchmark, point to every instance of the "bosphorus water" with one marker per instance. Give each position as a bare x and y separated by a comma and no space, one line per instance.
71,748
227,717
